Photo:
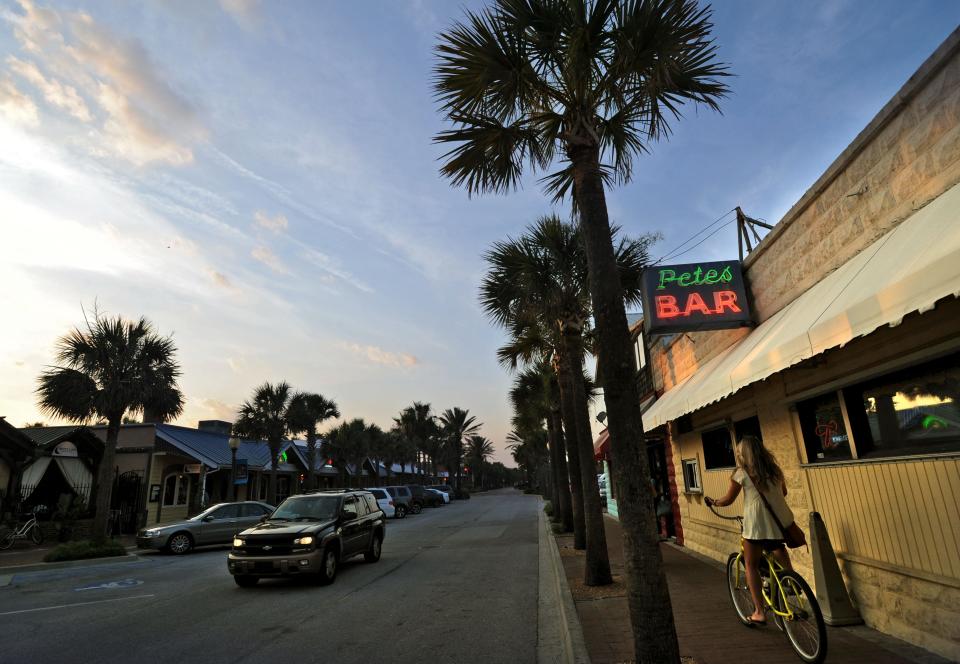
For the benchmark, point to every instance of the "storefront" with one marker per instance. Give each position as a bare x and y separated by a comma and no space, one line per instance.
851,375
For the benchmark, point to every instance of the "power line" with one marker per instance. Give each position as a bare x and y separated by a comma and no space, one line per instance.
673,252
718,229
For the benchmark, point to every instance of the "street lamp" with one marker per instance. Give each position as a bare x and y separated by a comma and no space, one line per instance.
234,444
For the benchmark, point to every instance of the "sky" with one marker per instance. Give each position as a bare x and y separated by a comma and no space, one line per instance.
259,180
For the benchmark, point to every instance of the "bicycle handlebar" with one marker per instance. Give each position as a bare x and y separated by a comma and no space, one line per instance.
737,518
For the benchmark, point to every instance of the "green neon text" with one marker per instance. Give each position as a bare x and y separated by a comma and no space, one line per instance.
698,277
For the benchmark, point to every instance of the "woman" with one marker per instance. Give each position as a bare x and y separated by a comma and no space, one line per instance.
757,470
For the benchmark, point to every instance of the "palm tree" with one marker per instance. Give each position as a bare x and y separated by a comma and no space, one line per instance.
349,444
594,83
418,423
267,416
457,424
306,411
529,450
477,452
111,367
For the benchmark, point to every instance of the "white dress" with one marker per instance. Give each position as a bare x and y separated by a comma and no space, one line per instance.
758,524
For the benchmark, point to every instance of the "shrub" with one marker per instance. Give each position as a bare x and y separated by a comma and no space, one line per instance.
548,508
84,549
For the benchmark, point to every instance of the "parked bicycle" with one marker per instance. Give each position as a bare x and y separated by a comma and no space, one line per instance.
786,594
28,530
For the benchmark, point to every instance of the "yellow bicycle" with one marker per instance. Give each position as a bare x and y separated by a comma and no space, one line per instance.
786,594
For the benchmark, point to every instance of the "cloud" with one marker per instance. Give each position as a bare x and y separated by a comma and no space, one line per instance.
145,121
221,280
268,258
218,409
245,12
378,355
277,223
56,93
16,106
237,365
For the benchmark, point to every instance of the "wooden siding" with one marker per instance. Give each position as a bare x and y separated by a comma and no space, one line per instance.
901,513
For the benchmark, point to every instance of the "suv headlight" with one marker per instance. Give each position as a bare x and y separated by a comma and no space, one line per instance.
303,541
237,542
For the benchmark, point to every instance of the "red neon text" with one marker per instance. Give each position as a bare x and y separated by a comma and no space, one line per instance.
723,301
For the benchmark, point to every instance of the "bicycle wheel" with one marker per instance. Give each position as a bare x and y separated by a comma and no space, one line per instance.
806,630
36,535
7,538
737,585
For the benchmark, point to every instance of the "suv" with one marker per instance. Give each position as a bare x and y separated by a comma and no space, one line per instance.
423,497
445,488
402,500
309,534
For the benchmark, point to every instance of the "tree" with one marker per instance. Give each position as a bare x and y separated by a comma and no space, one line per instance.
457,424
110,368
477,452
593,82
418,423
267,417
529,450
349,445
306,411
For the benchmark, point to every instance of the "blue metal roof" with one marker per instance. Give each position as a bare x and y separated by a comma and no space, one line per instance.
212,448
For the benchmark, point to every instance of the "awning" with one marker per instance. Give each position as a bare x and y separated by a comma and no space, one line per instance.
601,446
909,269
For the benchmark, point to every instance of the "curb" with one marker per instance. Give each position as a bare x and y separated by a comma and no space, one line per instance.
558,604
35,567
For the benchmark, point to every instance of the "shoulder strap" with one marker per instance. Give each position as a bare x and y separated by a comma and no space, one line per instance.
769,508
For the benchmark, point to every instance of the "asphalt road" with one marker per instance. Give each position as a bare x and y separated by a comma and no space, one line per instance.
455,584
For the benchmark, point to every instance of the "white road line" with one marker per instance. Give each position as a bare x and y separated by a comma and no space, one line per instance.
67,606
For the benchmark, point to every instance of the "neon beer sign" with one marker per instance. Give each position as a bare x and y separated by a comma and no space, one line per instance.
694,296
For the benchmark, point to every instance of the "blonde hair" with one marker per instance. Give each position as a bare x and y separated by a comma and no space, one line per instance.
757,462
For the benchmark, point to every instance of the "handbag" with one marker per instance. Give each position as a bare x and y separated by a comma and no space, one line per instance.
793,537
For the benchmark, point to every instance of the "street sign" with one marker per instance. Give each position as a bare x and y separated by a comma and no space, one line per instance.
693,297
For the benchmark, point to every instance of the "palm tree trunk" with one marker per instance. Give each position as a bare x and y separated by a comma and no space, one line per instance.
573,453
311,459
563,488
651,614
597,568
275,459
554,470
101,512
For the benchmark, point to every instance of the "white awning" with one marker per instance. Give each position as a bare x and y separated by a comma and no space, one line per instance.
909,269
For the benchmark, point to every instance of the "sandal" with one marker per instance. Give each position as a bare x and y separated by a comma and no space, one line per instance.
756,623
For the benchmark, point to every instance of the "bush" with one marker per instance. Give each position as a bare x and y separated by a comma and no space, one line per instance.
461,494
531,491
548,508
84,549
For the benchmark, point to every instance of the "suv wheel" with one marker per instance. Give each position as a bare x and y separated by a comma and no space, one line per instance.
246,581
376,547
328,567
401,511
417,507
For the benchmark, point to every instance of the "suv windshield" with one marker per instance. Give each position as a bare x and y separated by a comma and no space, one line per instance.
307,508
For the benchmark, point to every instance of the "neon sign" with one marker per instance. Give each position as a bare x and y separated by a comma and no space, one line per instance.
696,296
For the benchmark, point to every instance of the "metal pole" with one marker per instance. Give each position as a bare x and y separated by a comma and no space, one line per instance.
233,475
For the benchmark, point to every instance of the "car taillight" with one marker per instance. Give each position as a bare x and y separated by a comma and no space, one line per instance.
391,503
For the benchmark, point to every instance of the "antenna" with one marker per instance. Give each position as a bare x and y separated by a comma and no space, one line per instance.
743,236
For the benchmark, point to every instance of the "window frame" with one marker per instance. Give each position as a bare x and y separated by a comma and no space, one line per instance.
179,478
730,438
694,463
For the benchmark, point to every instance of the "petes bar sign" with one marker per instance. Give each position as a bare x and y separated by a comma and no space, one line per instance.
695,296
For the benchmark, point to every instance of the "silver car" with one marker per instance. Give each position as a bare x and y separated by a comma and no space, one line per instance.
215,525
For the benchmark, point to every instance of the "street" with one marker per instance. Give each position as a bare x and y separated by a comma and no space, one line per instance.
455,584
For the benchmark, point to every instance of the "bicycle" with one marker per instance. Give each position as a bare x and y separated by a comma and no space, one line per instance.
785,593
29,530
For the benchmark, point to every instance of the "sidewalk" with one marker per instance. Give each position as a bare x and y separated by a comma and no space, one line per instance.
707,628
27,553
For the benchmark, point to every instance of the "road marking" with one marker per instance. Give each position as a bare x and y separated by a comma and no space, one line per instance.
110,585
67,606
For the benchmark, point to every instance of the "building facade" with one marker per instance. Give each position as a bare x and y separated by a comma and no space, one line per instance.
851,375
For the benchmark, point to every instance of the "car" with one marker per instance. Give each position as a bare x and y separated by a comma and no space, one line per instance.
215,525
444,490
424,497
384,501
402,500
444,497
310,535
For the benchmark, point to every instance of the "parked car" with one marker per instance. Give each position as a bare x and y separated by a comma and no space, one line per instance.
424,497
215,525
445,490
310,535
444,498
384,501
402,500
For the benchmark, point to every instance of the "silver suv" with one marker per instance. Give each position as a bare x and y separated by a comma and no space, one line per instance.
402,500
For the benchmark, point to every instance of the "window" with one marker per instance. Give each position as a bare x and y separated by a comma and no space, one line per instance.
908,412
824,432
249,509
747,427
372,504
362,506
717,448
691,476
639,355
175,490
378,494
350,508
226,512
